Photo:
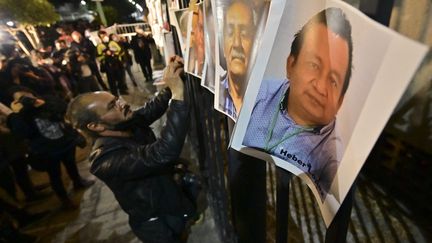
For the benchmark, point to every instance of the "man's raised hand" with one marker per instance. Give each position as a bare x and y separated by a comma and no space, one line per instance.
172,77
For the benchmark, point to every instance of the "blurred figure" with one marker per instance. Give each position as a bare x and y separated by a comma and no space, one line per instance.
124,55
12,156
79,67
62,86
109,58
64,35
51,140
85,46
141,47
59,52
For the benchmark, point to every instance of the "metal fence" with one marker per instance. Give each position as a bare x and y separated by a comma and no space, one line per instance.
253,201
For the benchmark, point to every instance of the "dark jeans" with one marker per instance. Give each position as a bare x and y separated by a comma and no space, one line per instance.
54,170
147,69
20,176
166,229
128,69
116,80
95,71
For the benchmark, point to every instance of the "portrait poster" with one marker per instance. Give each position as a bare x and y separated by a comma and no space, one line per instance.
195,56
181,22
169,49
209,75
240,25
314,109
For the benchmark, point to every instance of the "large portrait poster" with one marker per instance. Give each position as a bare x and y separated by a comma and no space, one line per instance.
208,80
195,56
320,96
240,26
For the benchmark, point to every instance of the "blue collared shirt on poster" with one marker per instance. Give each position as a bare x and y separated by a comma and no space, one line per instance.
313,150
228,104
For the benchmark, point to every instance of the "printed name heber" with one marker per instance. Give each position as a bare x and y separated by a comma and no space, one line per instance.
295,159
303,164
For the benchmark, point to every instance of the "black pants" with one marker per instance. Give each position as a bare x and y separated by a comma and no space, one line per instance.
20,176
147,69
54,171
95,71
116,80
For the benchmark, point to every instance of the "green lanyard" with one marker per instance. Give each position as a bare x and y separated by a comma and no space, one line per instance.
297,131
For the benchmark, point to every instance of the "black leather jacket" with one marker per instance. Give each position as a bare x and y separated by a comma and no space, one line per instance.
139,170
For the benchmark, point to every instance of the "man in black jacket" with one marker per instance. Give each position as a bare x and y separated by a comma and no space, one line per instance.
141,46
136,166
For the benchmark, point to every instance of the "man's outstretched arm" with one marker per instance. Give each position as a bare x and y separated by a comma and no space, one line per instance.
148,159
153,109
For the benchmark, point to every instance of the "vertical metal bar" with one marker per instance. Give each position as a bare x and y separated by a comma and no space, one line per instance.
282,205
177,48
338,229
247,177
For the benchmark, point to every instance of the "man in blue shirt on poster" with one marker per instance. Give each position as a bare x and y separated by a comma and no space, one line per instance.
294,118
237,47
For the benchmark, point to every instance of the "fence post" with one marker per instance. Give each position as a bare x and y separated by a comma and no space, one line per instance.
247,180
283,178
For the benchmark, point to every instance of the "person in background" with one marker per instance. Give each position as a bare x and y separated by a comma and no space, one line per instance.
85,46
125,57
109,57
141,46
51,140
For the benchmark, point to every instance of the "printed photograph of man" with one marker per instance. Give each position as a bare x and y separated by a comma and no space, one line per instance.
243,21
181,23
314,103
208,80
294,118
196,52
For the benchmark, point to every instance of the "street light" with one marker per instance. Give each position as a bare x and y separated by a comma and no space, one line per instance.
83,3
100,11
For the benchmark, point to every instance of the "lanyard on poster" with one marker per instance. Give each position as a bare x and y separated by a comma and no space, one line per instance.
268,146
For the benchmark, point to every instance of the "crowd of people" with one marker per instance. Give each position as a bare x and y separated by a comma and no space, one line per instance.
35,91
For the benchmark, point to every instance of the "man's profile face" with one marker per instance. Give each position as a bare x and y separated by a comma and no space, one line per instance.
110,109
238,38
317,77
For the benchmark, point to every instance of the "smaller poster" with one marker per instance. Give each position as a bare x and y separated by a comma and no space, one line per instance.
195,55
181,22
240,25
169,49
209,76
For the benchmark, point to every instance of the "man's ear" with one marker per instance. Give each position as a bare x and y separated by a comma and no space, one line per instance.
290,65
95,127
